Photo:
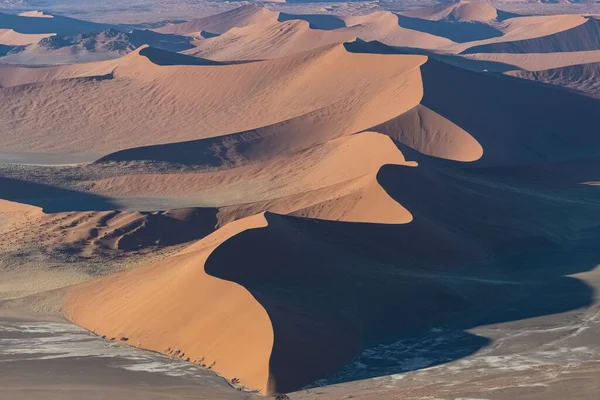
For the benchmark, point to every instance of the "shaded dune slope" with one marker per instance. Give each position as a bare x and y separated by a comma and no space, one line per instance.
221,23
56,24
317,292
259,42
514,121
583,37
464,11
581,77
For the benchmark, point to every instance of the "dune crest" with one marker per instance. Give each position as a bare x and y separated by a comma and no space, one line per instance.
462,11
166,104
233,335
35,14
10,37
332,181
221,23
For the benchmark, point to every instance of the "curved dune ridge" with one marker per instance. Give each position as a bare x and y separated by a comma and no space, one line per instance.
232,335
10,37
221,23
463,11
35,14
332,181
276,39
160,104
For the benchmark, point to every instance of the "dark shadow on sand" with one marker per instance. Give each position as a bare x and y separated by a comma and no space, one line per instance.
315,21
459,32
51,198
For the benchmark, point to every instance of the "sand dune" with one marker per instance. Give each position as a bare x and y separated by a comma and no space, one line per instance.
277,39
263,41
274,272
164,104
463,11
344,196
176,292
335,181
581,77
99,239
40,23
579,38
35,14
95,46
10,37
539,130
429,133
221,23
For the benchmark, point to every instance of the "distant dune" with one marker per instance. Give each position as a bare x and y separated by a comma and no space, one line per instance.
462,11
236,18
10,37
581,77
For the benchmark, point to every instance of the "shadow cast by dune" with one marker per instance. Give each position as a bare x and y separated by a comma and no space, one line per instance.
584,37
51,198
167,58
374,297
460,32
375,47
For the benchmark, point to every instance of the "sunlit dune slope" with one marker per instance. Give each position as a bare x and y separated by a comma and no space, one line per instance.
36,22
464,11
202,318
514,121
139,102
221,23
271,39
310,293
10,37
335,180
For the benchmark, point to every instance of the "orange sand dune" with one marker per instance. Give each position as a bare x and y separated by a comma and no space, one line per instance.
178,298
545,124
429,133
263,41
335,180
221,23
581,37
384,27
276,39
10,37
306,96
536,61
464,11
581,77
271,291
35,14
